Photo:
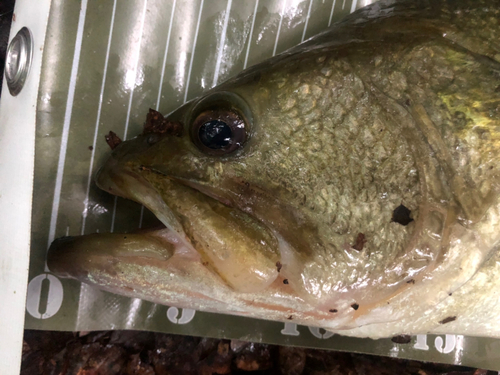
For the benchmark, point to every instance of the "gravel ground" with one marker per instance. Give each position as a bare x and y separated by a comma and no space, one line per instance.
148,353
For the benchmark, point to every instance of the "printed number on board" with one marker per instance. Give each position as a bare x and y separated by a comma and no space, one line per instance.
290,329
450,343
45,296
320,333
186,315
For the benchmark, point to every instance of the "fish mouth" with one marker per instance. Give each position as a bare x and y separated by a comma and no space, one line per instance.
237,248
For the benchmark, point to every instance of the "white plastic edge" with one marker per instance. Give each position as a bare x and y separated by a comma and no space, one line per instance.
17,152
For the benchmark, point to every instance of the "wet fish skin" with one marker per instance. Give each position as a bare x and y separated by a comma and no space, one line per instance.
397,104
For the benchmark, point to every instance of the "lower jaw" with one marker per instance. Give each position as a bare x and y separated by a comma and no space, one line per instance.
179,278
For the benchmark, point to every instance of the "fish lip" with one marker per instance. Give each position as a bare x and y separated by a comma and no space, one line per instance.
56,256
199,186
208,192
85,257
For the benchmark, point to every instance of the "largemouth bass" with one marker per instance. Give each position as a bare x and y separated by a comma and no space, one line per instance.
350,183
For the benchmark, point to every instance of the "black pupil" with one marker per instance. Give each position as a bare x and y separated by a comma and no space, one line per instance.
215,134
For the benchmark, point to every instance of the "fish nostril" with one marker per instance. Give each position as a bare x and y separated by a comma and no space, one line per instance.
401,215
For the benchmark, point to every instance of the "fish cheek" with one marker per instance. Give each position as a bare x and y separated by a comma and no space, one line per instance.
234,245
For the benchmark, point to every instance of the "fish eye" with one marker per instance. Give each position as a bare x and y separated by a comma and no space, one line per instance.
218,126
215,134
219,131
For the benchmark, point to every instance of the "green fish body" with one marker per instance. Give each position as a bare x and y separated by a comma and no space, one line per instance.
350,183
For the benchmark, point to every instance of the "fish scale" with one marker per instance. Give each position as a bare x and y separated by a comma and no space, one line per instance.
338,165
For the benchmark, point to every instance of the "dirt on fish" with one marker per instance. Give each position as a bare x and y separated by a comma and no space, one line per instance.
401,339
278,266
156,123
360,242
401,215
448,320
112,140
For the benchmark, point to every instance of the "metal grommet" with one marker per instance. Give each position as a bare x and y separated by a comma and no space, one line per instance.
18,60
